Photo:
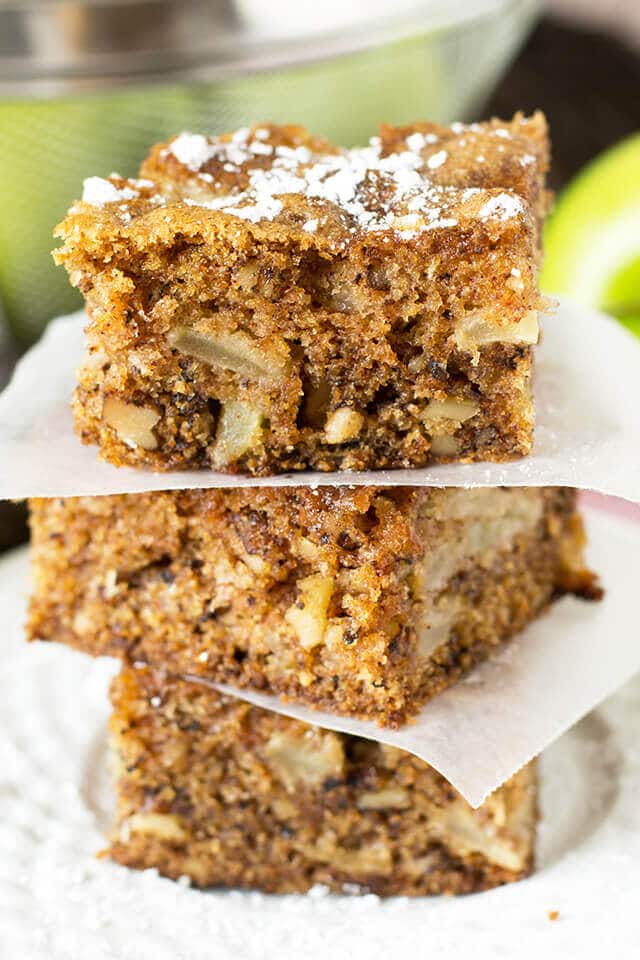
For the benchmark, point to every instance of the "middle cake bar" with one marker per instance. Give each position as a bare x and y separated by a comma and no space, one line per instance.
364,601
224,793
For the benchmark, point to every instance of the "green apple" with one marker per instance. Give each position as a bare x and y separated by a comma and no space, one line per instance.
592,239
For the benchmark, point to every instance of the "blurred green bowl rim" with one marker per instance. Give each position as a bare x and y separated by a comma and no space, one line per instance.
53,47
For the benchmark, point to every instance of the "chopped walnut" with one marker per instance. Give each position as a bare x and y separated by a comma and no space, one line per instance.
450,409
163,825
308,615
342,425
134,425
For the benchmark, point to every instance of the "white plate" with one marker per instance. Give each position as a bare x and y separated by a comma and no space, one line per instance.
57,902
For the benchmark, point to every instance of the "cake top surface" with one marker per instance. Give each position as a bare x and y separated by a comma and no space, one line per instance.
406,181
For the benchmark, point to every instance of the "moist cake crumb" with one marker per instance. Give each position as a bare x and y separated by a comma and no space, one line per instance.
364,602
250,287
216,792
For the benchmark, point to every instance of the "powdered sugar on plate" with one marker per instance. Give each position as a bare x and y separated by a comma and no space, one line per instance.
58,902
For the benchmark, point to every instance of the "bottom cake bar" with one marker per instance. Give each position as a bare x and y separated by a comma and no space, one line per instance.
228,794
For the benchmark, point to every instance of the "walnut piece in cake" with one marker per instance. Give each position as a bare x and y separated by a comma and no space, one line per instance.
231,795
363,601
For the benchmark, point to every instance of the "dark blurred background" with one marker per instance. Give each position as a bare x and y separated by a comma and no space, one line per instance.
586,79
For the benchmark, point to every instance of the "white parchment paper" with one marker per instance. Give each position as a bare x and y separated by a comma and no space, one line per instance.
587,395
483,729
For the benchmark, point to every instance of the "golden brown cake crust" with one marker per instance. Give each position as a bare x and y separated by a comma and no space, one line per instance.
265,302
362,601
227,794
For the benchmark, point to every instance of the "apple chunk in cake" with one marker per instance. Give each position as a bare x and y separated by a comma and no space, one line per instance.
228,794
365,602
265,301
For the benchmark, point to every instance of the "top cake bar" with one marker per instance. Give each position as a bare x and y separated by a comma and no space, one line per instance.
264,301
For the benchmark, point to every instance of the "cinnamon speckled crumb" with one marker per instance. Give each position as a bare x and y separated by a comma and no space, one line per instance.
213,789
362,601
266,302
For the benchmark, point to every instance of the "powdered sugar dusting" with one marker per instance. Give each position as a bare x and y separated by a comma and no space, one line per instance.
504,206
374,190
261,149
418,141
437,159
377,191
266,208
191,149
97,191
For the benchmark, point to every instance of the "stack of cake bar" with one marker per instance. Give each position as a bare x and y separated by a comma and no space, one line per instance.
266,302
